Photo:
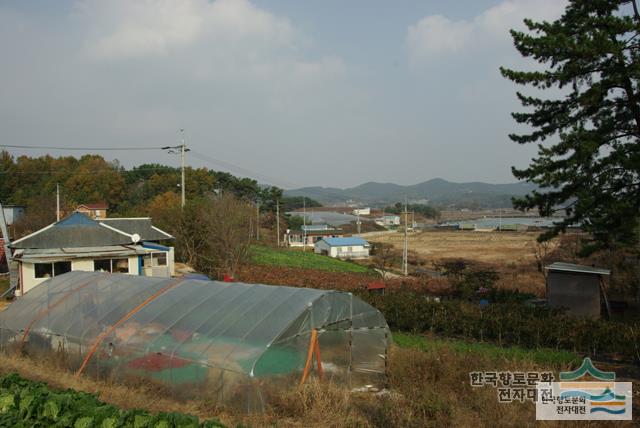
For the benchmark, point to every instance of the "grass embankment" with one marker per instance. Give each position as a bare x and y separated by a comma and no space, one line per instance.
546,357
303,260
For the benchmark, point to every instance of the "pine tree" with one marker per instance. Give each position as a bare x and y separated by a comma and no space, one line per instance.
588,129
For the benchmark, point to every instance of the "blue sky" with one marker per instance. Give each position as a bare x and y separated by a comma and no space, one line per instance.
331,93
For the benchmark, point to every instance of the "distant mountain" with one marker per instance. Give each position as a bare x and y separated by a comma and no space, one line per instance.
437,191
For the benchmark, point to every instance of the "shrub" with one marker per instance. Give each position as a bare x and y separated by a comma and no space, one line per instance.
507,323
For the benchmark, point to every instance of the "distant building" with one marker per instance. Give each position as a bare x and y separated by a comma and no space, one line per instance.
79,243
578,289
362,211
343,248
12,213
388,220
309,234
95,211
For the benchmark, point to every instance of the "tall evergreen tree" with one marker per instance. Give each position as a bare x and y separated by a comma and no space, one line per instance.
588,128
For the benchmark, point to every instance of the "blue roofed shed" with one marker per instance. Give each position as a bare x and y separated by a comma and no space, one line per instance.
343,248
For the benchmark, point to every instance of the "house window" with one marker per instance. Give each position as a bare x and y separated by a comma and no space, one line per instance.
160,259
111,265
61,267
350,249
49,270
120,265
103,265
44,270
155,260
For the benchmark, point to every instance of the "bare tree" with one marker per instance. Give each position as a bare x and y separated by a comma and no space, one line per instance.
383,258
214,235
541,251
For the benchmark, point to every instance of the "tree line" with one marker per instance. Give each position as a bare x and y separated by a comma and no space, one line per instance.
214,231
32,181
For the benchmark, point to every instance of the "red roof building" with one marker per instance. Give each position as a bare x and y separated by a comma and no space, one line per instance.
96,210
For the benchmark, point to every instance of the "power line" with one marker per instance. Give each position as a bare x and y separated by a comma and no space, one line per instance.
66,172
202,156
247,172
15,146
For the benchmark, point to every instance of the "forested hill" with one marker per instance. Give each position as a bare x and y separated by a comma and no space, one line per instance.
31,181
437,192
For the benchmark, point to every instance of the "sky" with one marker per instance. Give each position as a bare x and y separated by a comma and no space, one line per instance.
293,93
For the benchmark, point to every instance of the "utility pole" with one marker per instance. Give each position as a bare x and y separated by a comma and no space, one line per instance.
278,221
405,248
500,219
257,220
182,147
358,221
57,201
304,224
182,150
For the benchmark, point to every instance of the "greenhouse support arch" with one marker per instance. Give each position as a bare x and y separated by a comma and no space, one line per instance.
228,343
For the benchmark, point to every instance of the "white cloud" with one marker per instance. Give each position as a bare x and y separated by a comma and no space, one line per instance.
436,35
221,40
120,29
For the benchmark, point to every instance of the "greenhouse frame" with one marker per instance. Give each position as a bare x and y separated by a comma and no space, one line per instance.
231,344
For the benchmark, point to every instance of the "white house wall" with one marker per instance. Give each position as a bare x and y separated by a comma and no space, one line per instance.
28,277
28,272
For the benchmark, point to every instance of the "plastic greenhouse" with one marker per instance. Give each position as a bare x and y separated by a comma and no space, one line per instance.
228,343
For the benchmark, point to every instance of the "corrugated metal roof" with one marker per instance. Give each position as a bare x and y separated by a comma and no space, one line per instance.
570,267
77,230
341,242
54,254
142,226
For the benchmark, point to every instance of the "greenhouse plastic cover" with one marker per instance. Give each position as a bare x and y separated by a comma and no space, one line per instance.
230,343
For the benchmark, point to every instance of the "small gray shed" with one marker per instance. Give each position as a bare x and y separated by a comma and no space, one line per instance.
579,289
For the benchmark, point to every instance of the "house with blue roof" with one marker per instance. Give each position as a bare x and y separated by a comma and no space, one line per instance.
80,243
351,247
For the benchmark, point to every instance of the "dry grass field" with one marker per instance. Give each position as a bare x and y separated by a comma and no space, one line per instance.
512,254
486,247
427,388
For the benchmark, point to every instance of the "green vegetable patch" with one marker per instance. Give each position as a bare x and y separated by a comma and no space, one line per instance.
25,403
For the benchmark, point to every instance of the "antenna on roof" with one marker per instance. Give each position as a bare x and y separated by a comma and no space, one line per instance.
135,238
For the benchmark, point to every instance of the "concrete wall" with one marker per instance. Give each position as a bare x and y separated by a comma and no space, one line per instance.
577,292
